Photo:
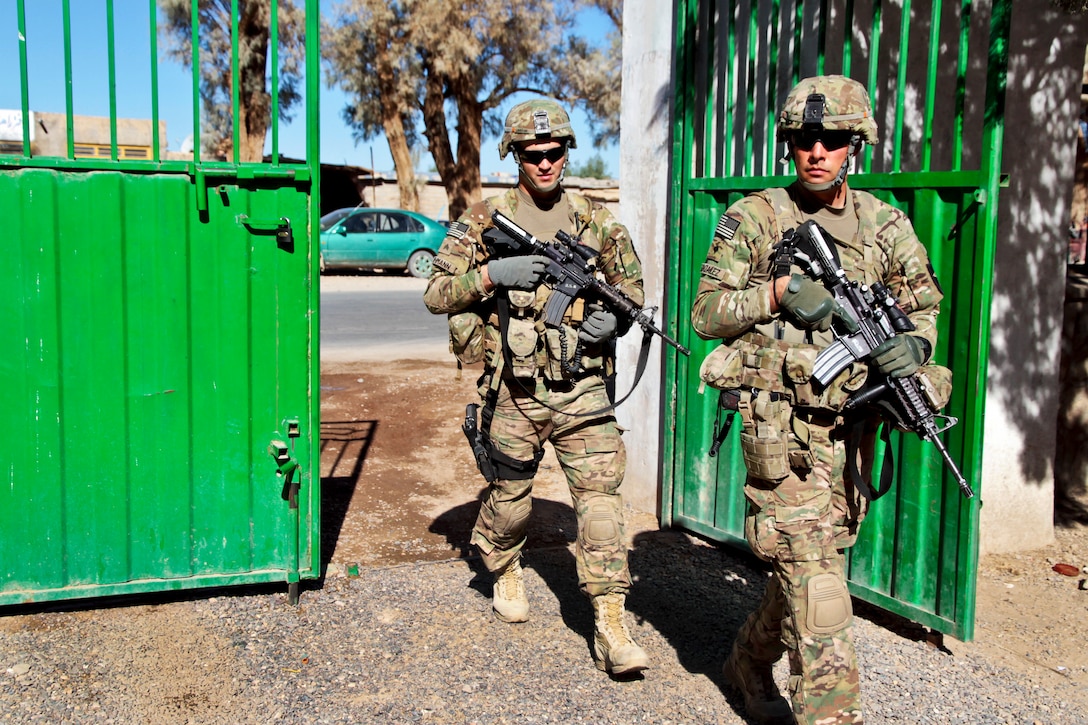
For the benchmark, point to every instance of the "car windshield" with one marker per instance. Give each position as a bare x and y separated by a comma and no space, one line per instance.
332,217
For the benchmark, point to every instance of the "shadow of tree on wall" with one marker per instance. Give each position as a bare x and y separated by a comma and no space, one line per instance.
1045,71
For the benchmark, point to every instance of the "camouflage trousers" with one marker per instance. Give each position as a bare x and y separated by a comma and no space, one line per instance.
593,459
801,524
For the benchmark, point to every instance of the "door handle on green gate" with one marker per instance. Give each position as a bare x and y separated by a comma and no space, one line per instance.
280,226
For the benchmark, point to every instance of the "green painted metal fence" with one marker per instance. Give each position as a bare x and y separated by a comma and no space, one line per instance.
936,75
161,354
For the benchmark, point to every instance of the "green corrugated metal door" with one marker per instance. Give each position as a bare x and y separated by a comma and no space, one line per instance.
161,367
936,76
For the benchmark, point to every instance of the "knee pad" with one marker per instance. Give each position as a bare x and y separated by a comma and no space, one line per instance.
602,520
504,521
513,518
829,608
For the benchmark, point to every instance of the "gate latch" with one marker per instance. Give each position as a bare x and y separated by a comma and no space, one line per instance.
281,227
286,468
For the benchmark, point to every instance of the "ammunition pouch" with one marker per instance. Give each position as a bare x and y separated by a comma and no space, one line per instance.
766,438
757,362
467,336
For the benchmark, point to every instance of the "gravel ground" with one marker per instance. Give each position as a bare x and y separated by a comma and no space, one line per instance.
417,643
411,639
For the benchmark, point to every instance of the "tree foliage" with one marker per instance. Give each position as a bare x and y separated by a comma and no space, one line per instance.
591,168
595,75
455,64
216,78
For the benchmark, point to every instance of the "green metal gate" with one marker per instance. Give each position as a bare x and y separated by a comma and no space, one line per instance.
161,355
936,75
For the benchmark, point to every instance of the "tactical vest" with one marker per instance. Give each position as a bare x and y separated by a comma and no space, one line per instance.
776,356
475,333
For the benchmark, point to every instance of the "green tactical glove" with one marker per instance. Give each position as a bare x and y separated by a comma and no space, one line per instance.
598,326
517,272
812,305
900,356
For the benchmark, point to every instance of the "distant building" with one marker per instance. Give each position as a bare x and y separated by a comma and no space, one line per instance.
91,136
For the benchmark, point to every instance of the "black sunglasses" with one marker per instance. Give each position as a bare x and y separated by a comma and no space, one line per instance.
831,140
535,157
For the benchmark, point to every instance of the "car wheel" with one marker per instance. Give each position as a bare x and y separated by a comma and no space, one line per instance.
420,263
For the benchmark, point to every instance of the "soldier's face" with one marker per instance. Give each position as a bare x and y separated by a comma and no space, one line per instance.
542,165
819,158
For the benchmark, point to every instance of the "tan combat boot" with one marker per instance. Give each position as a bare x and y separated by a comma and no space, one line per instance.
508,595
613,649
753,679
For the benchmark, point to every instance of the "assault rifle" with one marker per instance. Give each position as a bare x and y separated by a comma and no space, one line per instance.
572,270
878,318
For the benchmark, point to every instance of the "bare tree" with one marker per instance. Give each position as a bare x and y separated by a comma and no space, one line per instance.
216,78
369,54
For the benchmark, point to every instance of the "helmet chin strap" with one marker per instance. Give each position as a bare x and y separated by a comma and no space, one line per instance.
834,183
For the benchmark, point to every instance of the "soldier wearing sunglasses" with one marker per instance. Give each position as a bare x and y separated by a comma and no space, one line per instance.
798,442
544,383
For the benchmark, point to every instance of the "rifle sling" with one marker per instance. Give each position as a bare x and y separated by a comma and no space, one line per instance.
860,481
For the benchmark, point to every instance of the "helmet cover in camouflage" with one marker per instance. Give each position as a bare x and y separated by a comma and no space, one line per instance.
846,107
536,120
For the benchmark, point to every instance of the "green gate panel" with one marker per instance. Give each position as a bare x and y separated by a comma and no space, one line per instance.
918,551
161,366
158,355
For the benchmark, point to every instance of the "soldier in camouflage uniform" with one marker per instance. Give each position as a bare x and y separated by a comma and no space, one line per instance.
537,394
802,511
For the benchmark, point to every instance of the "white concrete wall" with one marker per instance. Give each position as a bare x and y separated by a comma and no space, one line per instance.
644,194
1042,105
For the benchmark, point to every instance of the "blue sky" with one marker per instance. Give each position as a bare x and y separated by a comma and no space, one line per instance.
90,86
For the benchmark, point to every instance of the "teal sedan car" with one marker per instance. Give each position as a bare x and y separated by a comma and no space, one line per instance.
365,238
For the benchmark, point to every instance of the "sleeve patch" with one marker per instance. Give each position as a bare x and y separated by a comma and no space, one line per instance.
727,227
712,271
458,230
444,265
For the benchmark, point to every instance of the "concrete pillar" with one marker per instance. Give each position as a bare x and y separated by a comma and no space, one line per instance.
644,194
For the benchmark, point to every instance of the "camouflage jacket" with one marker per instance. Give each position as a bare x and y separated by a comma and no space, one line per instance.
456,289
733,299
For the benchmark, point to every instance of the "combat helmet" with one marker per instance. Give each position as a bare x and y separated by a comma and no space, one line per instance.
536,120
836,103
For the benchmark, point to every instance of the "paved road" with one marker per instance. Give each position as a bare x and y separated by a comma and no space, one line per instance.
378,317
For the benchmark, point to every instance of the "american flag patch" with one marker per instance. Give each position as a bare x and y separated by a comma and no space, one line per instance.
458,230
727,227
